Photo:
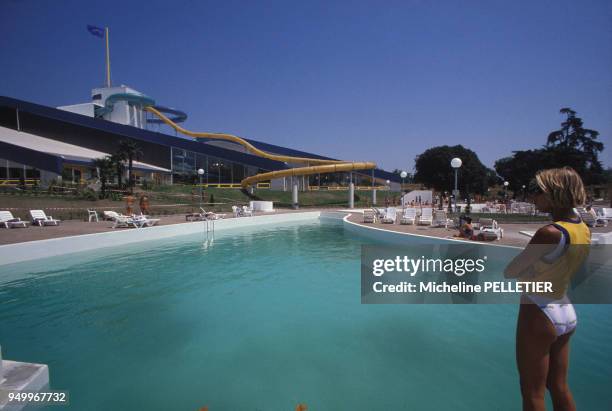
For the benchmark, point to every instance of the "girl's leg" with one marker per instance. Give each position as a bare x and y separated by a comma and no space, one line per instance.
534,336
557,375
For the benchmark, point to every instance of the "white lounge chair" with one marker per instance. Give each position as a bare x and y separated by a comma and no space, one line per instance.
237,211
487,223
409,216
489,228
121,221
369,216
589,220
426,216
379,213
605,213
110,215
390,215
144,221
492,233
40,218
7,220
211,215
439,219
247,211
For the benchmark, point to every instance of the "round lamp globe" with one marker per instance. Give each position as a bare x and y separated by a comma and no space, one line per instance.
456,162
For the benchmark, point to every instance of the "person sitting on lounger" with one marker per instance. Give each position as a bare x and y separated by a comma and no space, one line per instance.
466,230
592,212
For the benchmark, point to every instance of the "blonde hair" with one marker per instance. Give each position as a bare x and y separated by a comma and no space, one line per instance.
563,186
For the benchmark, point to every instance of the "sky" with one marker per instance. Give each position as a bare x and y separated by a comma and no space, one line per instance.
374,81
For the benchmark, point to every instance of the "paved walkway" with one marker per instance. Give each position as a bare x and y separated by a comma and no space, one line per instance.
511,231
512,235
76,227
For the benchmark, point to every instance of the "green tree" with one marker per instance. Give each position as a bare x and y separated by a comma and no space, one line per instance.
433,169
118,160
578,144
106,168
131,151
572,145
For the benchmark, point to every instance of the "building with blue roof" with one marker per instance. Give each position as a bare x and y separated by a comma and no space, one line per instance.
46,143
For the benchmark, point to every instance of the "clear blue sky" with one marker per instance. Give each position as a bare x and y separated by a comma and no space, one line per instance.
378,81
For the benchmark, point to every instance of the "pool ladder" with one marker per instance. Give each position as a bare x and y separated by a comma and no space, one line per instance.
210,233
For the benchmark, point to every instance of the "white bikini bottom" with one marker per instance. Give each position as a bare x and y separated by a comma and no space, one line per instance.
560,312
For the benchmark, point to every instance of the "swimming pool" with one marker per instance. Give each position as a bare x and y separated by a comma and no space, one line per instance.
265,318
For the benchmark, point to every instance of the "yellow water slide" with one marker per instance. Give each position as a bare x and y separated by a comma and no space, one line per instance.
321,167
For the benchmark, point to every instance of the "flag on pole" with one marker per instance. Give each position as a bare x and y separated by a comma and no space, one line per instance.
96,31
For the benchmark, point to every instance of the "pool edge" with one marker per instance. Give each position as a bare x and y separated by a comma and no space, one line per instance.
38,249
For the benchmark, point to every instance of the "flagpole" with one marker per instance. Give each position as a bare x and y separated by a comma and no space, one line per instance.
108,76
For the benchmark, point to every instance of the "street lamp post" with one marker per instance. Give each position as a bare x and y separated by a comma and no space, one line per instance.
524,193
218,165
456,164
506,184
200,174
387,193
403,175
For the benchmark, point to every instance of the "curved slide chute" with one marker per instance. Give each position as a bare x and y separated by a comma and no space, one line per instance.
322,166
179,116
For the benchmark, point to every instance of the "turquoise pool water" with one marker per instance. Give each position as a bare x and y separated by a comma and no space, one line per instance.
262,320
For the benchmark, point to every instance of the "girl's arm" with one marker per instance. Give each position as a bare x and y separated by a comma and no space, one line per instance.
543,242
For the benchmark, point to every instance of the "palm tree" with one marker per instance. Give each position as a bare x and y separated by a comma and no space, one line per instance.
117,160
131,151
105,166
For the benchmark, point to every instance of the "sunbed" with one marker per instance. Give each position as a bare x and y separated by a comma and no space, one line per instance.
110,215
439,219
379,213
390,215
409,216
211,215
485,223
40,218
489,227
605,213
7,220
590,220
144,221
369,216
426,216
247,211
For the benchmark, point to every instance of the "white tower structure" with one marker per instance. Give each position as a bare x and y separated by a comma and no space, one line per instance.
123,110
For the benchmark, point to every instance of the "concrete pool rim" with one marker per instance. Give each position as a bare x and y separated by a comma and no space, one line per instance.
38,249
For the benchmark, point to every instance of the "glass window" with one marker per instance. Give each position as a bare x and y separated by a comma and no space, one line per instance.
15,172
32,173
237,173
